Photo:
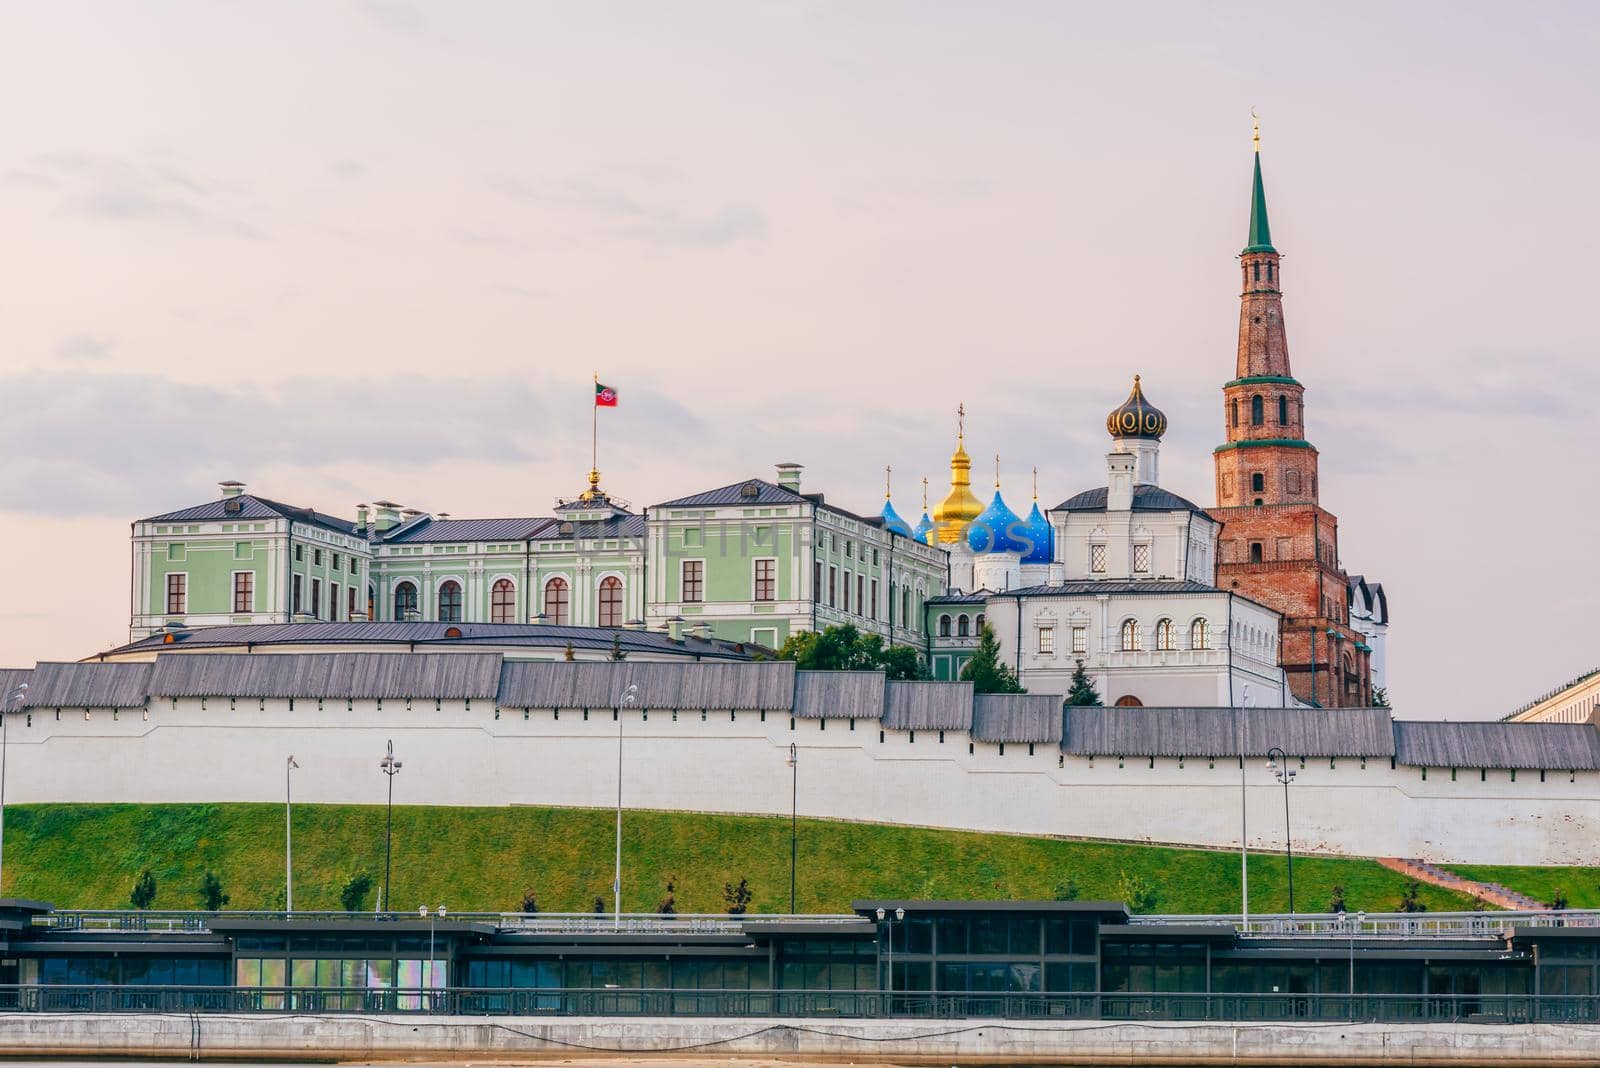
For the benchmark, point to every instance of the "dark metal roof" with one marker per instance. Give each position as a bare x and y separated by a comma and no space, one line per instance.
1016,717
750,491
618,526
518,635
1078,587
928,706
1146,498
336,676
1552,746
438,530
252,507
766,685
1214,732
977,597
838,694
86,686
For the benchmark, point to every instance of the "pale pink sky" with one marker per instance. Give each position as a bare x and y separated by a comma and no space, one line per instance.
345,251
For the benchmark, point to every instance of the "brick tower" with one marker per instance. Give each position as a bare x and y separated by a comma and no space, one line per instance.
1279,545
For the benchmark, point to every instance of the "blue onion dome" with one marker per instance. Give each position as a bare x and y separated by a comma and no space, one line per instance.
892,521
997,529
1039,531
1136,417
923,531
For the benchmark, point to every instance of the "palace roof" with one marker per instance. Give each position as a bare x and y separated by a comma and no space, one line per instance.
249,506
1146,498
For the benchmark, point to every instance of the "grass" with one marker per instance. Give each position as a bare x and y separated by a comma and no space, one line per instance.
1581,885
87,856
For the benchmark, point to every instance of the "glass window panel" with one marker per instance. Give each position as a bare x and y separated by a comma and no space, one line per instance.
1023,978
408,975
656,975
919,935
305,973
841,976
988,934
791,976
736,975
1024,936
952,933
1057,935
816,977
1085,937
952,977
914,976
246,972
380,974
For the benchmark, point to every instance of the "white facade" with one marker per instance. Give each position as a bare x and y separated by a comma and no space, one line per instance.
475,753
1576,702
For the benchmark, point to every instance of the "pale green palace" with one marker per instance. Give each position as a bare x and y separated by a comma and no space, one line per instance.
754,561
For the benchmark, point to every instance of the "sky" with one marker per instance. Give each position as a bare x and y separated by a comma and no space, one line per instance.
348,251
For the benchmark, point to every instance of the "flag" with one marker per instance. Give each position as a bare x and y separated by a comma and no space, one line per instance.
604,396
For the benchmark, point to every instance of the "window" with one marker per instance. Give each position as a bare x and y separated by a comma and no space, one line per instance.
450,602
405,601
944,626
1141,558
766,580
861,595
299,552
1047,640
694,581
963,626
849,549
503,602
1166,638
316,557
1258,482
333,601
610,614
557,600
816,580
1257,411
905,608
1097,559
1199,635
872,606
1130,635
177,593
847,591
295,601
244,591
350,613
1234,411
334,562
833,585
1283,411
1255,551
1080,639
316,598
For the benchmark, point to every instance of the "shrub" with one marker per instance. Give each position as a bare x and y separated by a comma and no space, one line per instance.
1137,892
1336,899
530,902
210,893
143,894
737,898
1410,898
353,894
669,904
1067,890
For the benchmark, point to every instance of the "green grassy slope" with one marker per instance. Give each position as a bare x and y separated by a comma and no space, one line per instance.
1581,885
87,856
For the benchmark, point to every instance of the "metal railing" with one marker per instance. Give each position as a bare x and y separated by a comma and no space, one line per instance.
538,922
806,1004
1389,924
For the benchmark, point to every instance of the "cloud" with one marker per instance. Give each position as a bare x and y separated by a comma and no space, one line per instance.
116,190
625,215
84,347
394,15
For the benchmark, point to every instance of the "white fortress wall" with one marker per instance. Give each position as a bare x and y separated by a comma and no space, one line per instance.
472,753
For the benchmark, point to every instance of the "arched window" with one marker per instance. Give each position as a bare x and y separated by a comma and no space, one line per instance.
1199,634
557,602
1255,552
963,626
905,611
1127,700
1234,407
1130,635
977,627
1166,639
450,602
944,626
372,602
610,602
1258,482
503,602
1283,411
1258,414
405,601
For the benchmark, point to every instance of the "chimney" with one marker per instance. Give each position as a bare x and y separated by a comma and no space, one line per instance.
388,514
675,628
361,519
789,476
231,488
701,629
634,624
1120,470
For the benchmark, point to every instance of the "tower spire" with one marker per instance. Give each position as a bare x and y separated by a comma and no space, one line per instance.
1260,238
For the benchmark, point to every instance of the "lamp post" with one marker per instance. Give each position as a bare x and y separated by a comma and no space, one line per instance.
629,696
288,836
14,697
1278,764
794,819
436,914
1361,917
1244,814
390,767
888,953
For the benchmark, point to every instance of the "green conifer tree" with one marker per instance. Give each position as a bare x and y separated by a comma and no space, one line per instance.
1082,691
986,671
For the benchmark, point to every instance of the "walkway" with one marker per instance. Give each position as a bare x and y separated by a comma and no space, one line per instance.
1493,893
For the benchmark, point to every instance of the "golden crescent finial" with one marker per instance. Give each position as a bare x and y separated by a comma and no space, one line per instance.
1256,136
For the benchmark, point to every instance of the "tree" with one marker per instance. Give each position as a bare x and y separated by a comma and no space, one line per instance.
737,898
1137,892
1411,899
1559,902
1082,692
902,662
616,648
143,894
1067,890
1380,697
986,671
569,653
669,904
1336,899
353,894
599,905
844,648
211,896
530,902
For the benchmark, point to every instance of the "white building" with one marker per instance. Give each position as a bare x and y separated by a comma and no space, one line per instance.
1369,617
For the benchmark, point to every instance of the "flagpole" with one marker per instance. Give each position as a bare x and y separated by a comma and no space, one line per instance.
594,428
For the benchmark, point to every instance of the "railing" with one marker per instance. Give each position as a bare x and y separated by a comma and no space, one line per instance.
1390,924
539,922
807,1004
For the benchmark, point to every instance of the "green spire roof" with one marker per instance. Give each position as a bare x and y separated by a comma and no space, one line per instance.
1260,232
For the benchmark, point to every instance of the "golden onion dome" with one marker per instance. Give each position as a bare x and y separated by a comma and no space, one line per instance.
959,508
1136,417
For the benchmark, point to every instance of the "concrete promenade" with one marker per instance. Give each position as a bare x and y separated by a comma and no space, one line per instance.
292,1037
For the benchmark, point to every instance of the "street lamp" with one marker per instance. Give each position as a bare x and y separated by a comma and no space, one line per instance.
14,697
288,837
794,819
629,696
1278,764
437,914
1361,917
888,953
390,767
1244,812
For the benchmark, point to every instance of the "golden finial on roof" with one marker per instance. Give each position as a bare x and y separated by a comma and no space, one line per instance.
961,421
996,470
924,493
887,471
959,508
1036,484
1256,137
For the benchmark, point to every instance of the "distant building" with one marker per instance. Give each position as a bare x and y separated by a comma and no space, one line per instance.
1576,702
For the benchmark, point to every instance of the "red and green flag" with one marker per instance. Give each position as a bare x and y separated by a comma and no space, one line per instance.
604,396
